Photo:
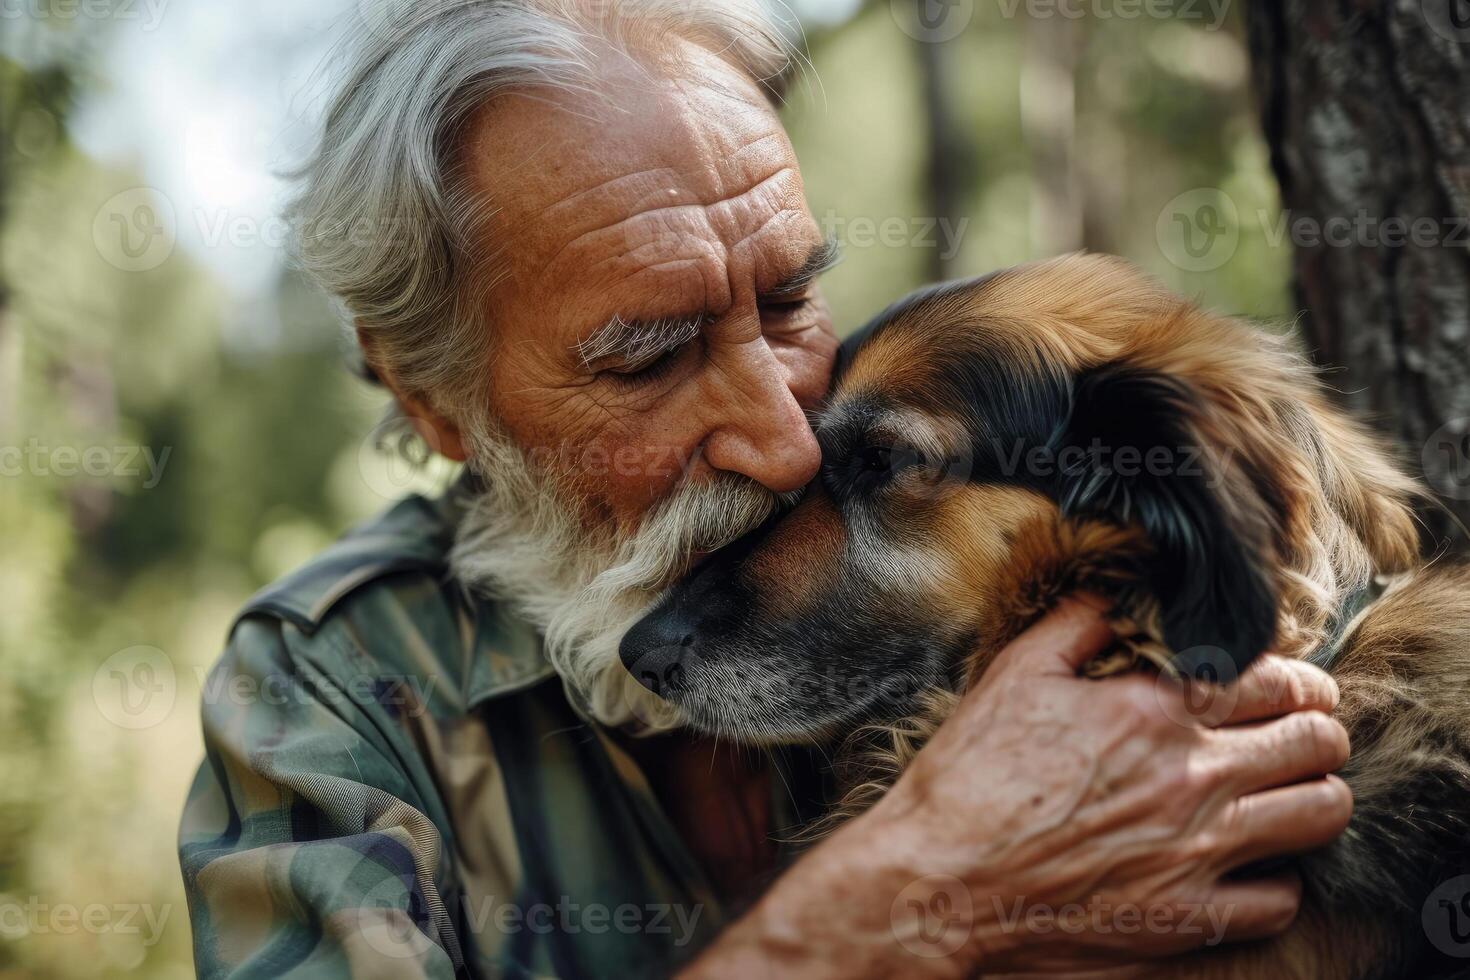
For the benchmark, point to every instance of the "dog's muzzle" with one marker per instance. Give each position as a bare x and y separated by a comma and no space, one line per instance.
665,649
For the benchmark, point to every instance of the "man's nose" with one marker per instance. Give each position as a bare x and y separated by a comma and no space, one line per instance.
763,432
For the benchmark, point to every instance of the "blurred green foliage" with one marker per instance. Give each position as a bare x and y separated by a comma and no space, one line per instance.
269,442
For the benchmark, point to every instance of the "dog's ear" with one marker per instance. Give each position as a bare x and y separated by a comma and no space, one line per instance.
1352,471
1136,449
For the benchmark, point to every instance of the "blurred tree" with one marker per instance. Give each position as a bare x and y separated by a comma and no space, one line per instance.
947,153
34,102
1051,52
1365,107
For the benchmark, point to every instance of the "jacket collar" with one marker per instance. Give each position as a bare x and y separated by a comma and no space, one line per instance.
505,653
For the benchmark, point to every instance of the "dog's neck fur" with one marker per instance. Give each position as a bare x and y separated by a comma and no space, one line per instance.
1060,557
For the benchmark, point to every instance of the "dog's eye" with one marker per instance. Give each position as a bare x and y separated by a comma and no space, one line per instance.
874,459
871,466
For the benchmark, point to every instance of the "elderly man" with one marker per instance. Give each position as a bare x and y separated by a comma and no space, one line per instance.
573,242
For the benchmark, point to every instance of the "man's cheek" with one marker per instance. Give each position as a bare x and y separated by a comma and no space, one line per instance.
635,475
650,463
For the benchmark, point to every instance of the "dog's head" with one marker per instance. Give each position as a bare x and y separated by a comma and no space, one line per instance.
994,443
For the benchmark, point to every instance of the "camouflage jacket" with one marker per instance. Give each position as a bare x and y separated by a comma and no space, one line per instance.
395,784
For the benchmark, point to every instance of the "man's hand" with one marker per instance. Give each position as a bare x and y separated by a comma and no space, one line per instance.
1059,823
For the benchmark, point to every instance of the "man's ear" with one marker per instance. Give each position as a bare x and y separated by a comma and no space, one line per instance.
1132,452
438,433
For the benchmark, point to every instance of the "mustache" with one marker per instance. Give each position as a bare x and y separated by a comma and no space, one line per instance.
698,517
524,540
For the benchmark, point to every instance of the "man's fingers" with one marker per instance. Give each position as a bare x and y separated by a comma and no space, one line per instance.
1288,820
1270,687
1275,685
1255,908
1068,636
1303,745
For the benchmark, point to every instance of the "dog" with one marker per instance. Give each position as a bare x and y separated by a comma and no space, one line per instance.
991,445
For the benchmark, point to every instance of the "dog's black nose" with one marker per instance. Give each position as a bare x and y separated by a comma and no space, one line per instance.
671,648
658,651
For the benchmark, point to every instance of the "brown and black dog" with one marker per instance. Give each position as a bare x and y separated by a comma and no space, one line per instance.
993,444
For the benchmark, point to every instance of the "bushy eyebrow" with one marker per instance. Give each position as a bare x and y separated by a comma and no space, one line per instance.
819,260
632,341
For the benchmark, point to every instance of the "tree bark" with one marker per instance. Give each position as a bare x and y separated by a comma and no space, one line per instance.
1049,127
946,152
1366,104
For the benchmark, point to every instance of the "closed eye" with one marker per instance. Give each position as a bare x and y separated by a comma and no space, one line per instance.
869,467
786,307
646,372
653,366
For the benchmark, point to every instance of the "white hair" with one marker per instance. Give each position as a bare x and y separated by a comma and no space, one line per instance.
380,219
523,540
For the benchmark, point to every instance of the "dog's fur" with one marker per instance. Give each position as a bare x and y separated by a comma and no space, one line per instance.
975,470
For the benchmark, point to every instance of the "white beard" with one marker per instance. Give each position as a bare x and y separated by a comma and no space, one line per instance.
521,541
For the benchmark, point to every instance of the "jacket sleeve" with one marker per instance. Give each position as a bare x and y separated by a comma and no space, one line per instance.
303,847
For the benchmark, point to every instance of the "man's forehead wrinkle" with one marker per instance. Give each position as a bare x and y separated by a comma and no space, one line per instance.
707,288
757,142
598,260
718,162
735,87
781,216
649,185
590,238
639,267
680,124
683,296
746,214
724,132
727,220
654,191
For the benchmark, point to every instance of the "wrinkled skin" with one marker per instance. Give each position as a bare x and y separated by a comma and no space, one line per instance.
668,197
676,192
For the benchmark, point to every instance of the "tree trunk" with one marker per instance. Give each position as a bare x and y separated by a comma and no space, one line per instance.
1366,104
946,154
1049,127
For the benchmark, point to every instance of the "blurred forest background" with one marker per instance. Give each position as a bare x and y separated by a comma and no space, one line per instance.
179,427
